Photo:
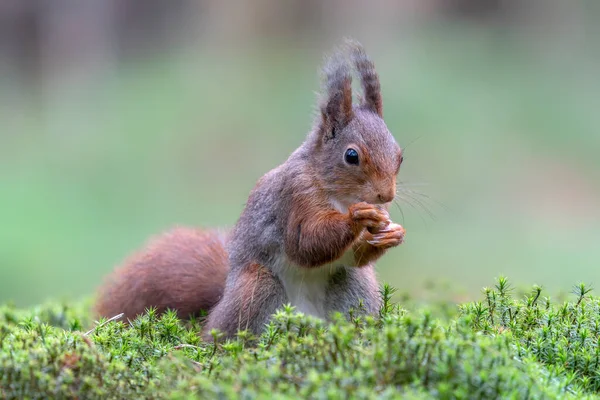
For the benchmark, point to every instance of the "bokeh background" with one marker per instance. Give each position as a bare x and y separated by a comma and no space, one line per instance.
122,118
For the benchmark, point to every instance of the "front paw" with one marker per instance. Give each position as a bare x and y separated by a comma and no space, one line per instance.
369,216
391,236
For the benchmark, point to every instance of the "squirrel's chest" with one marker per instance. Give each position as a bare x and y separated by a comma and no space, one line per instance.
307,288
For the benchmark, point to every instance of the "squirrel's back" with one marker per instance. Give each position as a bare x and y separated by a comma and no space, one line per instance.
183,269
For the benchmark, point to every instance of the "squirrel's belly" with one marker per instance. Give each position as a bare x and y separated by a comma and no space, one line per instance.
306,288
309,297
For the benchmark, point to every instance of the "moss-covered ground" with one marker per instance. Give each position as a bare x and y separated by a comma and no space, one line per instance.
505,346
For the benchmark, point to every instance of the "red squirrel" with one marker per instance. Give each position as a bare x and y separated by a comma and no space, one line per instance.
309,234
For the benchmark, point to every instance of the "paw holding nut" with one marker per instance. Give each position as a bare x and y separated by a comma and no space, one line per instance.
369,216
391,236
381,232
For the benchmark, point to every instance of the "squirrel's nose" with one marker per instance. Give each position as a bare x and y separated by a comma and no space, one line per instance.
385,197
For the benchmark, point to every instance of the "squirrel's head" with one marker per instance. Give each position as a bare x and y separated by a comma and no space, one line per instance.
355,155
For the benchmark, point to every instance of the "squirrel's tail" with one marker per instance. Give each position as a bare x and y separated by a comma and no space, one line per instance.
183,269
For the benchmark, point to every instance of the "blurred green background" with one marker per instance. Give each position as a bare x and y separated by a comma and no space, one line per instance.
120,119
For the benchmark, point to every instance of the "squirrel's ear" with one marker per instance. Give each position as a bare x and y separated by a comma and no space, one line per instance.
336,102
368,77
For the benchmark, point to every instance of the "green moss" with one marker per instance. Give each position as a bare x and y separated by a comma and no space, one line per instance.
499,348
561,336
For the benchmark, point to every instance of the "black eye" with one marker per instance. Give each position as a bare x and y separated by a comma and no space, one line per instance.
351,156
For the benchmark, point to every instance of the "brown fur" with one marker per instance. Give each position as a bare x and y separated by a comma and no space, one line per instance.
309,240
183,269
247,299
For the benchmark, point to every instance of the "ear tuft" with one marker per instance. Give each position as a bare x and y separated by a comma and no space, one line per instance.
368,77
336,100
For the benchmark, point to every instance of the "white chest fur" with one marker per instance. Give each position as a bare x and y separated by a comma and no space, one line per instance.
306,288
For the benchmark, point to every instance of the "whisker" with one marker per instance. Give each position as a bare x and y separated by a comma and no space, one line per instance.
424,196
422,205
399,208
411,142
415,195
414,208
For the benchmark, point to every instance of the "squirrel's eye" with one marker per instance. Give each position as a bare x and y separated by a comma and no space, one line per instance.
351,156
